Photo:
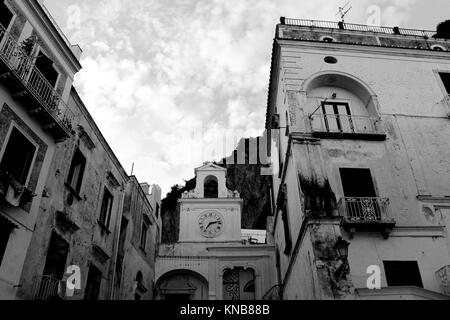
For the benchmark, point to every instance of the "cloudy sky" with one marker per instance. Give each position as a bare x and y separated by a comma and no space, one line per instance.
174,83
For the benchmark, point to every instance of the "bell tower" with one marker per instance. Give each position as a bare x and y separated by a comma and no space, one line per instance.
210,212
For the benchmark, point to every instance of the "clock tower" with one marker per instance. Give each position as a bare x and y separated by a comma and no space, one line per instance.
210,212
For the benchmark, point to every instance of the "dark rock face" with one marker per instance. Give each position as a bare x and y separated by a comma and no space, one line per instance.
243,175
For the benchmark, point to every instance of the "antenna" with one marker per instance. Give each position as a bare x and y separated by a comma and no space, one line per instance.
344,10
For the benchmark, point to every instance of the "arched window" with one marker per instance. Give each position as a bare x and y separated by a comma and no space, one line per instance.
211,187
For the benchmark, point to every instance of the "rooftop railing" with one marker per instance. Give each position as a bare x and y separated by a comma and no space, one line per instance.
22,65
358,27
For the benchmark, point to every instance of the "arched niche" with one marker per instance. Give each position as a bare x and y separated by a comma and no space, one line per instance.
182,285
322,85
211,187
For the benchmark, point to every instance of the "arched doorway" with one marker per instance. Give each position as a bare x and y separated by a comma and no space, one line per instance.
182,285
238,284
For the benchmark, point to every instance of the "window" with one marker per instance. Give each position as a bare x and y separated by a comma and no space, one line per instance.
76,172
445,77
105,212
157,210
328,39
211,187
357,183
144,232
287,230
6,15
55,261
330,60
402,273
18,156
4,238
93,283
337,117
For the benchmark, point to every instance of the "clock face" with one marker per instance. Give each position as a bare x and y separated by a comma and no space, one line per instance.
211,224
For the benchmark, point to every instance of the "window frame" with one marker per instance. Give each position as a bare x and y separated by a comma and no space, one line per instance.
79,184
420,278
105,221
143,241
11,23
13,126
7,234
437,73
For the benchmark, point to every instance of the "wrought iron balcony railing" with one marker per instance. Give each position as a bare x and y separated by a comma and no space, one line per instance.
21,65
331,124
366,212
45,288
427,34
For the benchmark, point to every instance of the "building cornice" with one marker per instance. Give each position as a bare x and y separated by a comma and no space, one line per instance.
365,49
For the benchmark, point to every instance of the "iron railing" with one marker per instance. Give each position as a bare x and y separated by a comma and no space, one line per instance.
358,27
45,287
344,124
22,65
275,293
365,210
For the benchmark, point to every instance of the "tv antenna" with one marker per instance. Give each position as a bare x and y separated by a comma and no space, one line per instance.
344,10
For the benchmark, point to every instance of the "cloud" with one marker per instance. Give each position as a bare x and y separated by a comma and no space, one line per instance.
174,83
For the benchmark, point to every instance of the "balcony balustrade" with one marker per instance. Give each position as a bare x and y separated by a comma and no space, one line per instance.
45,288
366,214
346,126
18,71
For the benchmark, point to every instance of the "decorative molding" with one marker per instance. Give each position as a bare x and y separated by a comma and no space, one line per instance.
430,231
431,199
86,138
65,222
400,293
100,253
112,179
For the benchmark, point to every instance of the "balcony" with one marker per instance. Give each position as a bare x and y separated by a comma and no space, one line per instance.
45,288
366,214
19,73
426,34
336,126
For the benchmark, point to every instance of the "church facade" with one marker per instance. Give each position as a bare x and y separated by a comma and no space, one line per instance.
211,261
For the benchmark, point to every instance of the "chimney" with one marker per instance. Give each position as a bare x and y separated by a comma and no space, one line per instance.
76,50
146,187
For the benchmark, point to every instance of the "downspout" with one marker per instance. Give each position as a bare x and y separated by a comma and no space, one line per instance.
116,243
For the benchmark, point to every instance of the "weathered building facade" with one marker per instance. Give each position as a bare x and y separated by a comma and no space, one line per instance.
63,192
139,238
359,124
37,68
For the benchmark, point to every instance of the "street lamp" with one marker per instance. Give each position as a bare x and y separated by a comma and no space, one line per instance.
341,248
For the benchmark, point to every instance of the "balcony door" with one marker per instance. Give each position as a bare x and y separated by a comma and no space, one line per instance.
45,65
357,183
360,196
337,117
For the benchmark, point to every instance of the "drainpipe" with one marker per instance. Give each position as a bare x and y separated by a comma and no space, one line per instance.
116,243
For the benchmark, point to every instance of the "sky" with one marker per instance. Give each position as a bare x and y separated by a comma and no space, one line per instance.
172,84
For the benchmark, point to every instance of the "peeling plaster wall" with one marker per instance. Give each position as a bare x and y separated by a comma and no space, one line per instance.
412,162
83,212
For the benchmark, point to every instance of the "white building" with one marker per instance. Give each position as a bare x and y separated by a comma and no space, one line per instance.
359,122
210,260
